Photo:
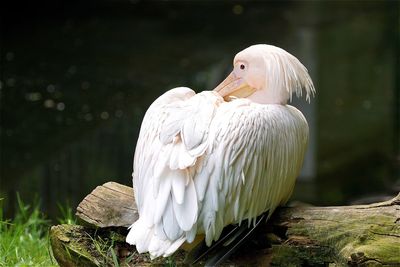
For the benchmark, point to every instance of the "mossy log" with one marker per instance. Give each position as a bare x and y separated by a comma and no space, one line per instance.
362,235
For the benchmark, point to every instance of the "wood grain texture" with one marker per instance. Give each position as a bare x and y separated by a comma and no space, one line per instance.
108,205
362,235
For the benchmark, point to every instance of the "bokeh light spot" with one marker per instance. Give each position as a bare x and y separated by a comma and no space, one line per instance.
51,88
88,117
9,56
33,96
119,113
60,106
104,115
237,9
85,85
49,103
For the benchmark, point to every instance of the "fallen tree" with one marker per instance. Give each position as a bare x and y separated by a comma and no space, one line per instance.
362,235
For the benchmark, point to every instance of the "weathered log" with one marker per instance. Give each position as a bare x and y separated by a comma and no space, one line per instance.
361,235
109,205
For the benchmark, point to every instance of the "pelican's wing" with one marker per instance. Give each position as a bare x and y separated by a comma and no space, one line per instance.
255,153
148,144
172,139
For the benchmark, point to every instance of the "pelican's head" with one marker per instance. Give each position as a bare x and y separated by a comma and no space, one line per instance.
266,74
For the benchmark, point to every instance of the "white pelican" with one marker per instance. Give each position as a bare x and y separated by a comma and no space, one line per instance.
207,160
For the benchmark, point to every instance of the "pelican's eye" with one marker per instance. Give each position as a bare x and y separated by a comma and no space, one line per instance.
242,66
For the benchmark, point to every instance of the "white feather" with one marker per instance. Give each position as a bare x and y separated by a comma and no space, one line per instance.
191,234
170,224
162,199
201,163
174,246
178,185
201,182
186,213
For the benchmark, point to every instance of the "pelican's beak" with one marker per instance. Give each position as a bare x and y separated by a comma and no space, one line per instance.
234,86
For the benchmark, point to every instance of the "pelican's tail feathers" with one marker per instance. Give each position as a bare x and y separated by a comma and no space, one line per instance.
241,235
145,239
201,251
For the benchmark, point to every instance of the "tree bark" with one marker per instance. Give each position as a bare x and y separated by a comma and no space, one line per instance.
362,235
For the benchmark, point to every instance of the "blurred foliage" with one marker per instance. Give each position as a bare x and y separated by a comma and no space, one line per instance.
67,214
77,78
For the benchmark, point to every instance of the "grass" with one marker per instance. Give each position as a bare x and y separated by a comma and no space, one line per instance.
24,239
106,249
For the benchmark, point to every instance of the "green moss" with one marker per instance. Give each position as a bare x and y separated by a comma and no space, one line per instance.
76,245
68,252
376,238
383,247
285,255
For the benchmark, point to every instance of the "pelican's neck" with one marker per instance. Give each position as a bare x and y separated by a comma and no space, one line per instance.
265,96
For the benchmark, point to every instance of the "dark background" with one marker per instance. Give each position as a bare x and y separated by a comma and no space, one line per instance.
78,76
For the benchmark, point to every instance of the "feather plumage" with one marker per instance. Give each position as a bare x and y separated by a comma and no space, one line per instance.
263,144
202,163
